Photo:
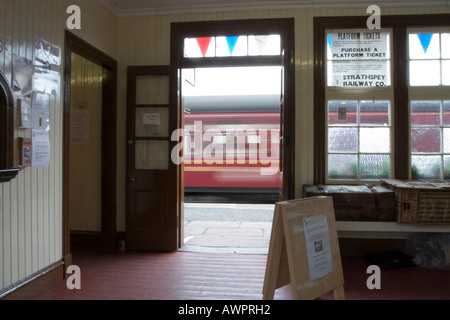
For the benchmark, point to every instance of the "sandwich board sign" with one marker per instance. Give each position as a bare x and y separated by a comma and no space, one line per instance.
304,250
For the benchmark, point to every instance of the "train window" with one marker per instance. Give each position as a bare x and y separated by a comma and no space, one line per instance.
233,46
430,139
429,58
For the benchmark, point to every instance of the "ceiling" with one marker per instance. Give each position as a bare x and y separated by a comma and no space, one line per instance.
127,8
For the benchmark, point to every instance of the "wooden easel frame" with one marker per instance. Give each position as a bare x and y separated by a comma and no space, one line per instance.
287,260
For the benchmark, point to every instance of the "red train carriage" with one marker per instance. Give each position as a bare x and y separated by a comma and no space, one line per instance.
233,145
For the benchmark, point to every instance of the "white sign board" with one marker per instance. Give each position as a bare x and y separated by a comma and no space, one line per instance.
358,58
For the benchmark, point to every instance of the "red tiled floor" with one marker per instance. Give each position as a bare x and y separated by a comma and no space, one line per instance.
113,275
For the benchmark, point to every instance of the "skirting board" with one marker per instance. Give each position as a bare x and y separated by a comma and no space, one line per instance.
35,284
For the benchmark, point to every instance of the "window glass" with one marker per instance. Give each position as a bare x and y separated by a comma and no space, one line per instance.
424,46
374,113
231,46
359,139
264,45
425,73
447,167
446,72
343,140
342,112
375,140
446,116
425,112
425,140
428,59
430,139
445,45
426,167
374,166
342,166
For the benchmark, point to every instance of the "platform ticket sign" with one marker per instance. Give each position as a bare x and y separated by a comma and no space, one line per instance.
358,58
318,248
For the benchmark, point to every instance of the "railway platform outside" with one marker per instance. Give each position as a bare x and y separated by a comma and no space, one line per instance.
227,227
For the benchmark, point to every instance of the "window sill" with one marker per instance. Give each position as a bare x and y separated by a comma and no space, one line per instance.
7,175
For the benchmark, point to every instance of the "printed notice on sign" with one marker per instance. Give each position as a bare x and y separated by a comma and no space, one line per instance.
318,249
41,149
358,58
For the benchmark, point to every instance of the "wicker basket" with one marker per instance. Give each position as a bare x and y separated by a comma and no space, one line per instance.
422,202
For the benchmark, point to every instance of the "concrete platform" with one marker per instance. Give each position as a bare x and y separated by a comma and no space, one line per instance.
227,228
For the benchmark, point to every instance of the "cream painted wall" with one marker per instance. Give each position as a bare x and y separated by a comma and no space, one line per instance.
31,204
146,41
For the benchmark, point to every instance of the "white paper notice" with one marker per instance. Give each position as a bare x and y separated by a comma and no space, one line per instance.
79,128
318,246
151,119
41,149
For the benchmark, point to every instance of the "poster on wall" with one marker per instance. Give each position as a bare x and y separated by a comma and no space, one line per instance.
79,128
41,149
47,61
40,114
25,113
358,58
22,76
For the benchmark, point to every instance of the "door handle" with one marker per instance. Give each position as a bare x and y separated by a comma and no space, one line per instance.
133,180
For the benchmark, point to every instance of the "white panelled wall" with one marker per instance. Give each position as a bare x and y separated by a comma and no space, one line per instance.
31,204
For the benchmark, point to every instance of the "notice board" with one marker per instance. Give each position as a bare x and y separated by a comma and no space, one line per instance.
304,250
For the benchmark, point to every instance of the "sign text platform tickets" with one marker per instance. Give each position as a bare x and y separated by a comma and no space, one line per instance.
358,58
304,250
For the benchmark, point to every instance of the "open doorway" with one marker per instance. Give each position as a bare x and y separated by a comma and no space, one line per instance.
232,176
220,46
89,65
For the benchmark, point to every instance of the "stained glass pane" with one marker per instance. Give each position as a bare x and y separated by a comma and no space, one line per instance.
374,166
425,73
426,167
375,140
342,166
374,112
342,139
199,47
264,45
446,106
425,140
424,46
425,112
342,112
231,46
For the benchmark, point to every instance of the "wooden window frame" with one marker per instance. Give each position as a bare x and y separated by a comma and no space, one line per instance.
7,172
401,128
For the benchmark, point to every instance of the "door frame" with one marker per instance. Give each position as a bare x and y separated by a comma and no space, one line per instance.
107,237
283,26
